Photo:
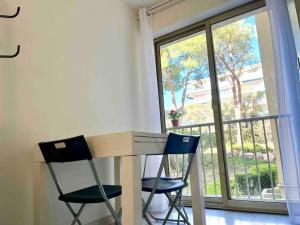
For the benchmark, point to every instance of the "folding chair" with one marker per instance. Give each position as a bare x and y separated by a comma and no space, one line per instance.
181,205
176,144
76,149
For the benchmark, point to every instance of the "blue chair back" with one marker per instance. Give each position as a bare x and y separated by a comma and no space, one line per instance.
181,144
66,150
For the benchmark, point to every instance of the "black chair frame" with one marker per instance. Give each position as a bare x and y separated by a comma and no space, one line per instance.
180,203
176,202
53,154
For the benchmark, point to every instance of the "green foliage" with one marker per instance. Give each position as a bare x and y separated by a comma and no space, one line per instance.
252,104
257,131
265,175
258,135
198,113
233,137
227,110
248,147
208,141
212,189
177,164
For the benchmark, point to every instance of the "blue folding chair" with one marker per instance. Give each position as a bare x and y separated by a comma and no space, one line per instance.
176,144
76,149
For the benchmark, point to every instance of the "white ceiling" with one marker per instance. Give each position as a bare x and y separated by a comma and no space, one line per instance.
141,3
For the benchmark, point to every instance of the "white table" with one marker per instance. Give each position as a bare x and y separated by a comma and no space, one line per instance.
127,148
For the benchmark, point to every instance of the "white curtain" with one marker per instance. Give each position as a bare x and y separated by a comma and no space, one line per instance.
147,80
288,95
148,101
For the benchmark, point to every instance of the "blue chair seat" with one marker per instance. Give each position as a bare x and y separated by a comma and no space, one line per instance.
165,185
91,194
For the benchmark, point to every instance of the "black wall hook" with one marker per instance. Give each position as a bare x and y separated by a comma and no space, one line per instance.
11,16
12,56
18,49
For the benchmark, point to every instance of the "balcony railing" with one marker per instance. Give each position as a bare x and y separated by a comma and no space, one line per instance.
253,162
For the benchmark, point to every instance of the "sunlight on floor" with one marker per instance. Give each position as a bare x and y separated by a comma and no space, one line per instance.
224,217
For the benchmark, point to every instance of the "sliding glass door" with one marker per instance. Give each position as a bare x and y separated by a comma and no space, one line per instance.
243,59
216,80
188,102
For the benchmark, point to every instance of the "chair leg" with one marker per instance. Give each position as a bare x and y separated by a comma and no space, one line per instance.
178,216
73,212
181,206
145,213
185,213
76,218
147,219
113,213
179,203
120,213
156,218
173,205
161,219
147,203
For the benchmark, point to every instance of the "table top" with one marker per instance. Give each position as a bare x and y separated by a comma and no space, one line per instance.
125,143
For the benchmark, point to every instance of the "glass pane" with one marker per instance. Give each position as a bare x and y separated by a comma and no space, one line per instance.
243,55
187,103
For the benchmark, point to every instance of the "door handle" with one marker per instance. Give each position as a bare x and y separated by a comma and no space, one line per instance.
298,67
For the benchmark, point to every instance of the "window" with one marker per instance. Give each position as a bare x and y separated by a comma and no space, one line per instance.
216,80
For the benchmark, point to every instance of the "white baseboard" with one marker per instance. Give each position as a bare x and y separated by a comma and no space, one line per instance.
103,221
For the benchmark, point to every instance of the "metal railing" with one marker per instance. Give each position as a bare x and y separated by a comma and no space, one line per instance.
253,160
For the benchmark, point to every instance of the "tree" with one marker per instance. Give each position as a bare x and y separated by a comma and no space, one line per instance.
202,113
254,104
186,60
182,62
234,52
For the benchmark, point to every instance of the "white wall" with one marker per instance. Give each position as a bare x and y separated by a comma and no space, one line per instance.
75,75
188,12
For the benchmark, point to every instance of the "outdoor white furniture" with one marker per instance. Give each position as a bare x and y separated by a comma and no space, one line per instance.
127,148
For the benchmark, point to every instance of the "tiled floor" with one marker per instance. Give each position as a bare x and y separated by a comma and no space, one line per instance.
225,217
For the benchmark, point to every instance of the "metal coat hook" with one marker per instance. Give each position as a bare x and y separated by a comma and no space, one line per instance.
18,49
11,16
12,56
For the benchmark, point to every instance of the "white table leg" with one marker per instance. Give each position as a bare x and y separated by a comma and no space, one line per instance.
197,191
40,194
131,190
117,182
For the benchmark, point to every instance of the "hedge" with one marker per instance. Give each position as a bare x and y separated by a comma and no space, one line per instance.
265,178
